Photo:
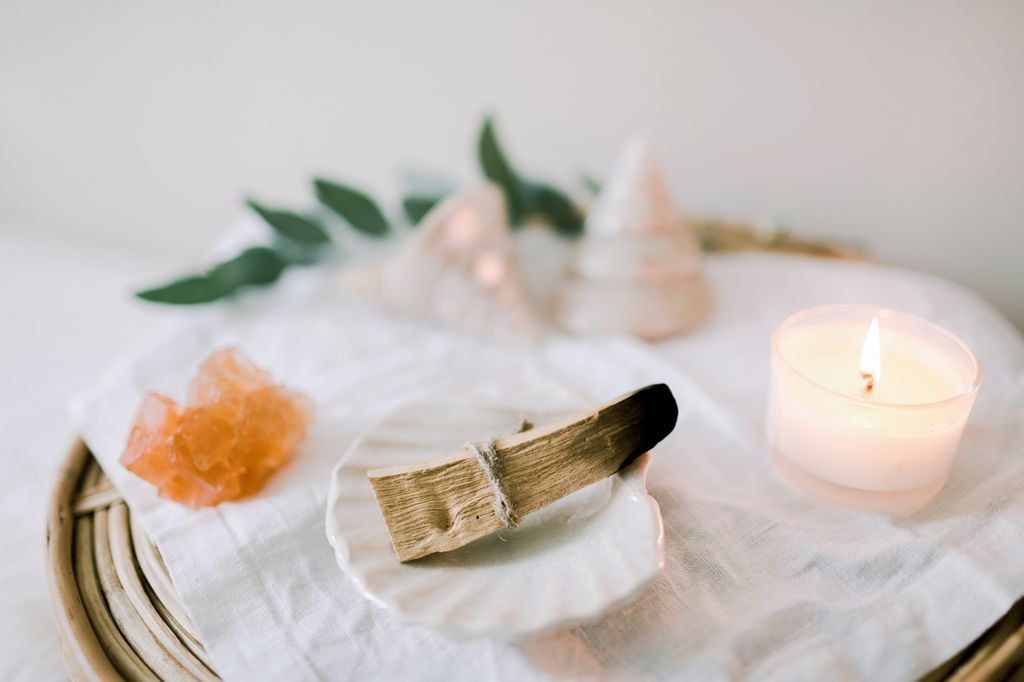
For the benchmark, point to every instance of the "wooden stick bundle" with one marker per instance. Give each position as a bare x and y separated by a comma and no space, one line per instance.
448,502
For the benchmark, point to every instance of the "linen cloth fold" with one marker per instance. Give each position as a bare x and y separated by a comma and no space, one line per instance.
760,582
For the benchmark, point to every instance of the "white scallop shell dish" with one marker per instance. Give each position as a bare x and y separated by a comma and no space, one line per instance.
568,563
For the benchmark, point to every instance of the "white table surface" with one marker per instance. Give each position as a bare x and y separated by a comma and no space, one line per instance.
67,312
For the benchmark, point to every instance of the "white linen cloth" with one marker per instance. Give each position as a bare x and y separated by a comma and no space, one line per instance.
760,582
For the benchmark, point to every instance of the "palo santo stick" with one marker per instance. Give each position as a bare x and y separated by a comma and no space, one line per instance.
443,504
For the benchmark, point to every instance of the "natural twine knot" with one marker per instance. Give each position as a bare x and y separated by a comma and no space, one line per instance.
487,456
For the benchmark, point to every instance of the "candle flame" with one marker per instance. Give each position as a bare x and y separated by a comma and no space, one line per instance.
871,356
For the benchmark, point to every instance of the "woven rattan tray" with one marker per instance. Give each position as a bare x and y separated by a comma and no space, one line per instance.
120,618
117,612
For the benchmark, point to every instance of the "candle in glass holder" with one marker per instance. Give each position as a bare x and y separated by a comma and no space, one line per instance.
868,405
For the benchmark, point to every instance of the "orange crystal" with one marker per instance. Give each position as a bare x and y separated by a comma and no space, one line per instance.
237,430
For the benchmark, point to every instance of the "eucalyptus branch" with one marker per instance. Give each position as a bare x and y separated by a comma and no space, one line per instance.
300,239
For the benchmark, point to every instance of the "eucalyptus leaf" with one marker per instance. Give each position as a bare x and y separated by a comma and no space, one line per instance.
292,225
525,198
554,206
417,206
256,266
498,170
299,253
185,291
358,209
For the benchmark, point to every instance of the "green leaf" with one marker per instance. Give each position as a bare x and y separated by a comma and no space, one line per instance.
417,206
592,184
498,170
554,206
358,209
257,266
525,198
292,225
185,291
299,253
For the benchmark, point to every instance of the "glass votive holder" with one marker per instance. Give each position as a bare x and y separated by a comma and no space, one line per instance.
882,443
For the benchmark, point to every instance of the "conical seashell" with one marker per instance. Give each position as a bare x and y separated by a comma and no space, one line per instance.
649,311
458,267
635,199
637,267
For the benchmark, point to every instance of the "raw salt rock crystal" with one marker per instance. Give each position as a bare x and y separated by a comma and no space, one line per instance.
237,430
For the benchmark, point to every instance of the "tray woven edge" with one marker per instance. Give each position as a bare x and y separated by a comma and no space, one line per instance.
106,587
84,656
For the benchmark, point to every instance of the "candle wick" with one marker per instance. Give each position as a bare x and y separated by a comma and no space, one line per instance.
869,380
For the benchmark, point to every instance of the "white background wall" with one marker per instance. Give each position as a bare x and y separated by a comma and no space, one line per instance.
899,126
